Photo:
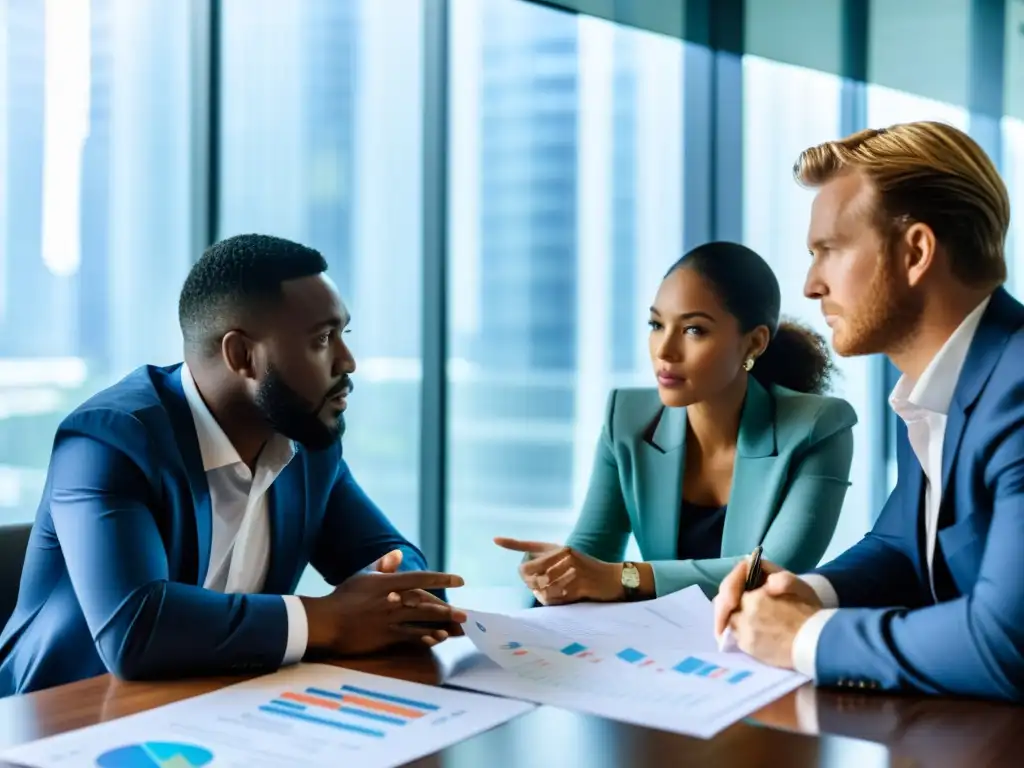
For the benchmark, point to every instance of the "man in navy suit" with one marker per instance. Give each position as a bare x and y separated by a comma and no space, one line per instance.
183,503
907,236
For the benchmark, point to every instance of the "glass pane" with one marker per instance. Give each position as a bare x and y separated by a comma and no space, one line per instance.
566,208
887,106
1013,174
1013,85
321,118
921,47
808,33
95,152
785,110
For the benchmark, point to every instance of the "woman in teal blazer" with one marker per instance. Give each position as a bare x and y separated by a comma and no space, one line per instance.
735,448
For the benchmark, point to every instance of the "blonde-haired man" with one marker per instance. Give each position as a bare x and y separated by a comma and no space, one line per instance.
907,233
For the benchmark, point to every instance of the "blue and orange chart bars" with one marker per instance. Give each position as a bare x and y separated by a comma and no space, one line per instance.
580,651
700,668
524,657
633,656
516,649
356,710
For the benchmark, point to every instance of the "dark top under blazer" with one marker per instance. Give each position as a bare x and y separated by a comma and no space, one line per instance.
793,456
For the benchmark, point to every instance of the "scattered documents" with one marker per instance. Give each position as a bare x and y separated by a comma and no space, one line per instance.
654,664
306,716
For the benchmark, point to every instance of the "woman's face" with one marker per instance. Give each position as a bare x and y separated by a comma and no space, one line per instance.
696,346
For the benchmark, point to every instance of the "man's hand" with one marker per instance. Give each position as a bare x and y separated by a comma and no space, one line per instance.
559,575
765,626
371,611
779,582
390,563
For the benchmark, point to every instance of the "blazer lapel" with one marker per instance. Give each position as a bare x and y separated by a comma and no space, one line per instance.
188,446
1001,318
661,465
749,513
660,488
286,505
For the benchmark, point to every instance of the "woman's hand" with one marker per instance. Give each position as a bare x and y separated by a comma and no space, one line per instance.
559,575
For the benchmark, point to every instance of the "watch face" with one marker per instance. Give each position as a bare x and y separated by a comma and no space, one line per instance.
630,577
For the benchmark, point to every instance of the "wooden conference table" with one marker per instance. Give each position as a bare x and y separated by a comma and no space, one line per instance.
806,728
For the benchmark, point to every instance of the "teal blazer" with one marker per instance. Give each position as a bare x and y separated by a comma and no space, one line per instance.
792,470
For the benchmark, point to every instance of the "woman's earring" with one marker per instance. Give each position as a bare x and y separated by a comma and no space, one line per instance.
748,364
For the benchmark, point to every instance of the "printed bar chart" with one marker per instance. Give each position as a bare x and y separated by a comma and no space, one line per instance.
580,651
700,668
352,709
631,655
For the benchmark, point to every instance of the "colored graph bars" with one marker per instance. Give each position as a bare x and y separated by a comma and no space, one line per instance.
580,651
516,648
637,658
352,709
700,668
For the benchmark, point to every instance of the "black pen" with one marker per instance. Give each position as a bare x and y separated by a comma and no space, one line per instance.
754,580
754,573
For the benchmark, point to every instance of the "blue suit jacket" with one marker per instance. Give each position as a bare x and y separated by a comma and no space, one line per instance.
121,545
973,642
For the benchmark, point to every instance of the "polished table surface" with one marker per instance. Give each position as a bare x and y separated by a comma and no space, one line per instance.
806,728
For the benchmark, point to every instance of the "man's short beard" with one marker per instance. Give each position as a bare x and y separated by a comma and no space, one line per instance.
290,415
887,320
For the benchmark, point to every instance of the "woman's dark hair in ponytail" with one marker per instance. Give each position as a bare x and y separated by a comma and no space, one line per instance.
796,357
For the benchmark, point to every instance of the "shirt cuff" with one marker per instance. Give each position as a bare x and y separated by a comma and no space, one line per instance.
823,589
298,630
805,644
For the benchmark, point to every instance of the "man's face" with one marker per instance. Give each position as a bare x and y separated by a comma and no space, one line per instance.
860,281
306,364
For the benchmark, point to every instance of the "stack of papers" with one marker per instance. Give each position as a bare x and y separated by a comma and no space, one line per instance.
309,716
654,663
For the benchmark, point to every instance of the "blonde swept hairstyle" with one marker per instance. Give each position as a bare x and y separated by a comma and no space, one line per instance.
931,173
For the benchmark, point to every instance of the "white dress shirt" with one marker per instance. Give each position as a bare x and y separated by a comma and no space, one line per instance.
923,406
240,549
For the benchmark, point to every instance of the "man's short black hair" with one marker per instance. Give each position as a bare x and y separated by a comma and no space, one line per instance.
237,276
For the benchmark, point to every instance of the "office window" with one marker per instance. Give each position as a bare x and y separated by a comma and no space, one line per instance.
785,110
566,208
887,106
95,152
321,116
1013,174
921,47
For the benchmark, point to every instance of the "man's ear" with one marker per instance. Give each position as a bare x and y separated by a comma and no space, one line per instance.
238,352
919,246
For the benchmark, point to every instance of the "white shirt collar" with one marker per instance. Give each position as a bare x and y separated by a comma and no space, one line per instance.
216,449
934,390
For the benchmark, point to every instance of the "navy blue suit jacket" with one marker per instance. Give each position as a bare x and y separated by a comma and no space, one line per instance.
896,636
121,544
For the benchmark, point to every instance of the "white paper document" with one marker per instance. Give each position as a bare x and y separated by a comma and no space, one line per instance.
306,716
652,664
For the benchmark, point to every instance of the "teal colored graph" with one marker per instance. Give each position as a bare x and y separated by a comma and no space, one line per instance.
155,754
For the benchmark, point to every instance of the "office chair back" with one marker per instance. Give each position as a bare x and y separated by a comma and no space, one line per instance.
13,544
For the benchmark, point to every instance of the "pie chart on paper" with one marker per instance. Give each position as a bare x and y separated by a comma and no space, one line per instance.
156,754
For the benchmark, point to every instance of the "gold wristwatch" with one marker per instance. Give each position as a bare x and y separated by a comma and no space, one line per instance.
631,581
